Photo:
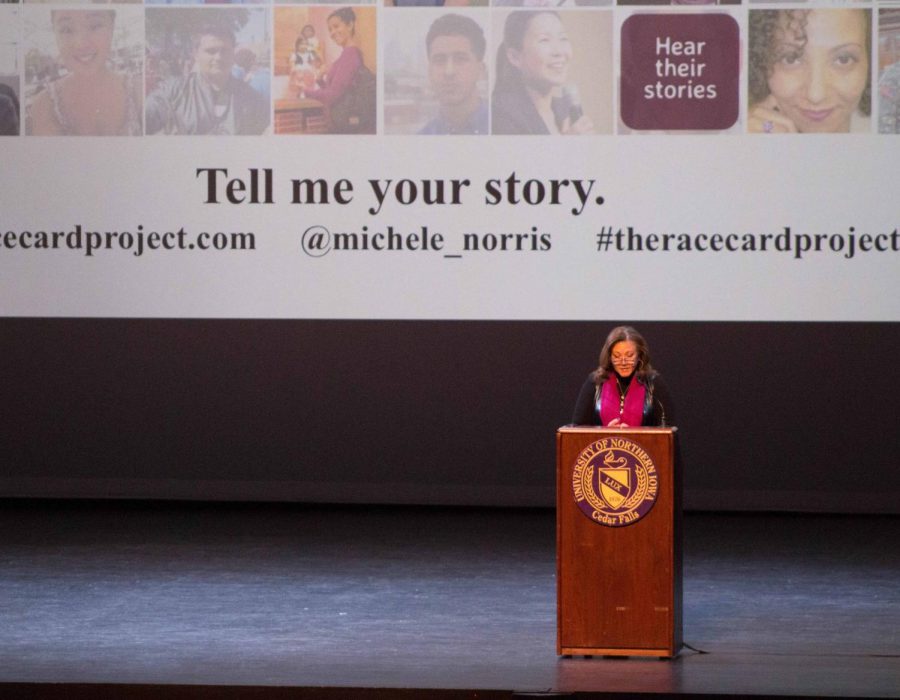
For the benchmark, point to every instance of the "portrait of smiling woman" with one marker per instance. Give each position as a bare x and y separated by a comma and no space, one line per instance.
809,71
86,93
553,73
347,87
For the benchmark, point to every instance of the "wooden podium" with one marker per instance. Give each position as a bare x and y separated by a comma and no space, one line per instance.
618,564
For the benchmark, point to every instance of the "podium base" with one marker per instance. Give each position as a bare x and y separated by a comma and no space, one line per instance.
598,651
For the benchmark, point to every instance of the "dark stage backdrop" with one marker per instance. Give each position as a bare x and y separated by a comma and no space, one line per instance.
784,416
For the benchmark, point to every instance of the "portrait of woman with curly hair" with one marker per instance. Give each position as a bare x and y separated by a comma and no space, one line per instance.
809,71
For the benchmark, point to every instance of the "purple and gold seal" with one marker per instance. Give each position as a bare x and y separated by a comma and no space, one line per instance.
615,481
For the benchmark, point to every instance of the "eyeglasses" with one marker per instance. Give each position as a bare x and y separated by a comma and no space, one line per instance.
624,359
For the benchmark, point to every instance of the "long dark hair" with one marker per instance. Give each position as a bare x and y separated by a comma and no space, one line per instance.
643,370
507,76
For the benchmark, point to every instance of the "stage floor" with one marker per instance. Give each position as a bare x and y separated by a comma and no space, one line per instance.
386,598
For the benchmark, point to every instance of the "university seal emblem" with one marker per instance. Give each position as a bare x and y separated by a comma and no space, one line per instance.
615,482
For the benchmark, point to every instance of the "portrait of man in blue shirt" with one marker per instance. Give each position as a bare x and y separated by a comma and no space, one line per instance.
456,47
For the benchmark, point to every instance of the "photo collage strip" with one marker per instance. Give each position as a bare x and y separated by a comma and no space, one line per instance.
449,67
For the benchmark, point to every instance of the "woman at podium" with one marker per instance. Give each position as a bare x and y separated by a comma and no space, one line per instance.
624,391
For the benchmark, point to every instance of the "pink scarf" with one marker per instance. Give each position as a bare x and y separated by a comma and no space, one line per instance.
632,413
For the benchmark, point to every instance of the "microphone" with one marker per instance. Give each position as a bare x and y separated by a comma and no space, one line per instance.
576,111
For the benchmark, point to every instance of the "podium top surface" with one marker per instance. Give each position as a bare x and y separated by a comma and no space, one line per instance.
600,430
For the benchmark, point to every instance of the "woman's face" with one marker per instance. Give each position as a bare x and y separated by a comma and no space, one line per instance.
818,83
84,38
624,356
339,30
545,54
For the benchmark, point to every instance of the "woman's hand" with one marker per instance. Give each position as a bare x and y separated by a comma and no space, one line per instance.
582,125
617,423
766,119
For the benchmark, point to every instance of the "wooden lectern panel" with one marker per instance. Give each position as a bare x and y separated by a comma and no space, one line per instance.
619,588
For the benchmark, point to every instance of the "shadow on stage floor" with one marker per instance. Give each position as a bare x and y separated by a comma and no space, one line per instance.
125,599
